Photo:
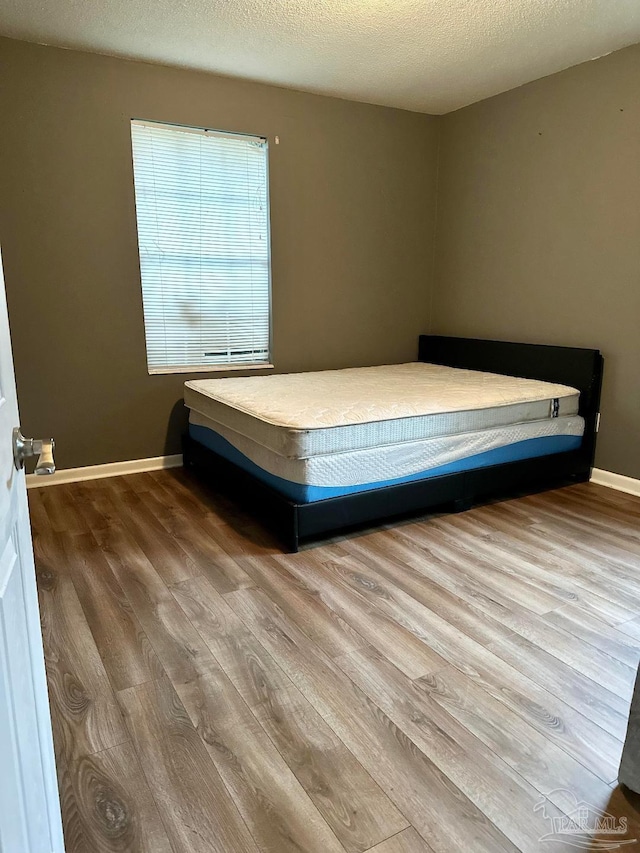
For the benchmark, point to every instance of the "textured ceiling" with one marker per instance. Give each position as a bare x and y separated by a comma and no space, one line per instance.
427,55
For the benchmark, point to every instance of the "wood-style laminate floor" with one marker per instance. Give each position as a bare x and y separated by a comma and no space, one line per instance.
452,683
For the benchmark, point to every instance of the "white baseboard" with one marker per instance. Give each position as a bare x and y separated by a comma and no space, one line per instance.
156,463
110,469
616,481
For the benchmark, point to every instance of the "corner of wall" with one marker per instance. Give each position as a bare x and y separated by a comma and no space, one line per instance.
434,236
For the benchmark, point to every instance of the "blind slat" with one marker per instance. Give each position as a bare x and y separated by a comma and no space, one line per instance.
203,236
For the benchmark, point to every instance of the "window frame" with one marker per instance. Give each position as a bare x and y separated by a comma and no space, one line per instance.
226,366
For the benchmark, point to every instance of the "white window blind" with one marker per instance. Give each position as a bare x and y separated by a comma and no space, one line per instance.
203,236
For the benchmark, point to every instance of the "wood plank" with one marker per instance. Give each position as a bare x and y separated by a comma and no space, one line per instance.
386,629
275,807
191,535
603,707
124,648
556,720
589,590
589,571
62,511
196,498
474,537
407,841
246,539
608,522
606,511
164,553
450,746
322,623
570,530
449,545
631,629
37,512
593,632
84,495
586,659
446,642
198,813
529,607
107,805
589,661
469,620
351,802
396,695
575,733
174,639
141,483
95,502
433,803
415,549
85,714
252,670
540,562
527,749
182,490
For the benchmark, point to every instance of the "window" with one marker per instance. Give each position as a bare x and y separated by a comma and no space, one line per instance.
203,235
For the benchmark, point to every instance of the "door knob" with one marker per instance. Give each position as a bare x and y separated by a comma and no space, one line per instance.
40,447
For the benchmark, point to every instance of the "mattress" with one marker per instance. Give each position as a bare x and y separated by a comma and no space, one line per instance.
333,474
370,464
304,415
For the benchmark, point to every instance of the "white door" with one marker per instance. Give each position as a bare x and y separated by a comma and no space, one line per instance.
29,805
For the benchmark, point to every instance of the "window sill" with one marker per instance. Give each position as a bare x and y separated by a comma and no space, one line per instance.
211,368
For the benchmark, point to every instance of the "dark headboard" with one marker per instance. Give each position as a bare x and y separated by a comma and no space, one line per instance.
580,368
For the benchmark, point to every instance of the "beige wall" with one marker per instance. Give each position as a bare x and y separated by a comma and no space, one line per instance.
352,211
539,228
538,233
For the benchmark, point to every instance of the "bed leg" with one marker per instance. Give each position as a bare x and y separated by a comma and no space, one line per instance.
293,545
290,541
462,504
292,538
186,456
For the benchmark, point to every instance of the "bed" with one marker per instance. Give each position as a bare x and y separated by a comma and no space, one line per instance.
316,452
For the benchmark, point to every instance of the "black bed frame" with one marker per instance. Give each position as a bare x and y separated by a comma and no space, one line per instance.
293,522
